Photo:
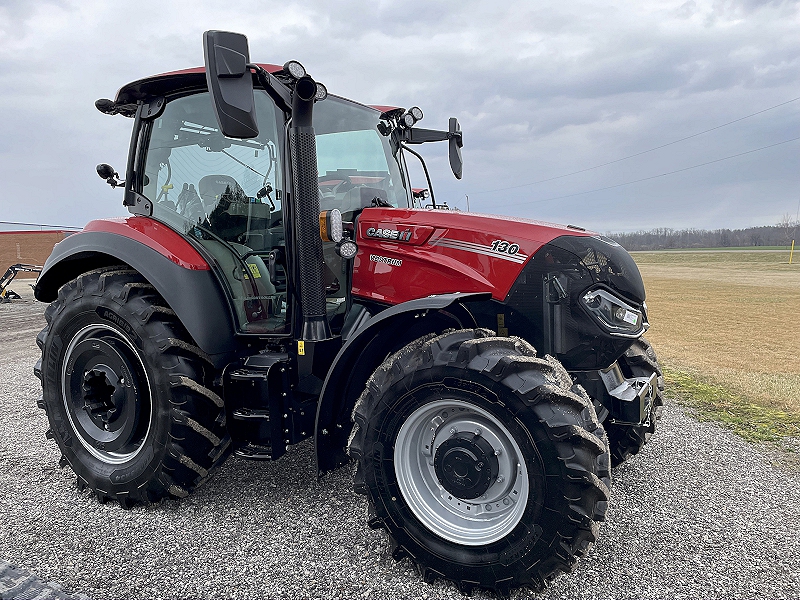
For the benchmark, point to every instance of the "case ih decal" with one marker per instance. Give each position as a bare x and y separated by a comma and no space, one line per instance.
389,234
413,235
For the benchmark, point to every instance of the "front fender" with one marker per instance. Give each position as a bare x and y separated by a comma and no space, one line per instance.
179,274
365,350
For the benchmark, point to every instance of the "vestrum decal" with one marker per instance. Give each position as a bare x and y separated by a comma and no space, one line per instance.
395,262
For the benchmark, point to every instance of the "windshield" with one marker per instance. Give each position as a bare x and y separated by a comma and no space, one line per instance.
355,162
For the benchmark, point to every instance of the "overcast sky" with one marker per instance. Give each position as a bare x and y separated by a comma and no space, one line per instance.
541,89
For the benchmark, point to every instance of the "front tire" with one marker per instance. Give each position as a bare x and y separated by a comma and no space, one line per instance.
485,464
124,388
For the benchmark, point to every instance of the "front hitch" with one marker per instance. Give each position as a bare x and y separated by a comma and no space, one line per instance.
632,397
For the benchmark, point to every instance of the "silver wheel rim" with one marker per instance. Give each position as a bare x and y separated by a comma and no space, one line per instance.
474,522
97,331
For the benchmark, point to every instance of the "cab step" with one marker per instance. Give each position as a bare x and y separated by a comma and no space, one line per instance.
254,452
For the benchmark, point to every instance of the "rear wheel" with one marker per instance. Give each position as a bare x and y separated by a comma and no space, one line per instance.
485,465
626,440
124,388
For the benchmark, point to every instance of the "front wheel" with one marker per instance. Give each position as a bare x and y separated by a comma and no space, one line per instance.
484,463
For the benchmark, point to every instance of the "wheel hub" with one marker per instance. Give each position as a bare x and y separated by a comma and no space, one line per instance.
466,465
101,393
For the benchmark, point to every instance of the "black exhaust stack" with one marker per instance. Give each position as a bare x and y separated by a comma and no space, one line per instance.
228,73
306,206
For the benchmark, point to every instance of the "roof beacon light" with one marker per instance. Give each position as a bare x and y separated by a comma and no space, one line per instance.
295,69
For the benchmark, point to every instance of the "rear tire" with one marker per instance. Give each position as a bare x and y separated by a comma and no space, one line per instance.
485,464
125,391
626,440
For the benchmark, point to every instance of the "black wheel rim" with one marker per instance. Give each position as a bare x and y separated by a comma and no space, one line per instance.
106,393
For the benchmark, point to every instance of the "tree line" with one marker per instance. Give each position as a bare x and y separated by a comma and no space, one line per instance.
663,238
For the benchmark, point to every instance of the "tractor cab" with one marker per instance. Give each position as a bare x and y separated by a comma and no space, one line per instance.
229,194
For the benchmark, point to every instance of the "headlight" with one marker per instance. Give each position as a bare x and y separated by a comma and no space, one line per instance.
615,315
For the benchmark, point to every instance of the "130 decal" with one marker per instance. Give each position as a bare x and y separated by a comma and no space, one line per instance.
505,247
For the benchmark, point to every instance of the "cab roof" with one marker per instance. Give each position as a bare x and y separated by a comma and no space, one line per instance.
159,85
185,79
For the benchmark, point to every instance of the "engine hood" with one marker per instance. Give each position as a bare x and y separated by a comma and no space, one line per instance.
406,254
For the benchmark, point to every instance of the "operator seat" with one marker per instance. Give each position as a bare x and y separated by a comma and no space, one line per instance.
232,215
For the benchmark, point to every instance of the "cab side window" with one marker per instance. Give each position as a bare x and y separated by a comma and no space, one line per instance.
226,193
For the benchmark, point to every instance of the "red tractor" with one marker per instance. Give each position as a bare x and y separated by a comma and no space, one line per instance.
279,280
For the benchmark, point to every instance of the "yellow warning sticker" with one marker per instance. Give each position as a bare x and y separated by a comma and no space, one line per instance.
301,347
254,270
501,320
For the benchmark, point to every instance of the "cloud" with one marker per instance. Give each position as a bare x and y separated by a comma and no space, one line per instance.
540,88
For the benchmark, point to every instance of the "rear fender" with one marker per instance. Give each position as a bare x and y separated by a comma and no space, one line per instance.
380,336
184,281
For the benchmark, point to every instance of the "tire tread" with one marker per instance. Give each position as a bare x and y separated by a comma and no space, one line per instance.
546,388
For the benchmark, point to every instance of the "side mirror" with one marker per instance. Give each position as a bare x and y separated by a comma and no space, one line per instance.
230,83
456,142
105,171
108,173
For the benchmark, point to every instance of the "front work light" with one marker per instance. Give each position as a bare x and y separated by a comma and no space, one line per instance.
347,249
295,69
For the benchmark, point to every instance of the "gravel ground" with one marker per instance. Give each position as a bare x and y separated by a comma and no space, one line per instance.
699,513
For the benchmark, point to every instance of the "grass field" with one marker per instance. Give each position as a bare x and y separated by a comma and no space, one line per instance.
730,249
727,326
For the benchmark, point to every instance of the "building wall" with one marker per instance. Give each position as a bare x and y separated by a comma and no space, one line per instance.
29,247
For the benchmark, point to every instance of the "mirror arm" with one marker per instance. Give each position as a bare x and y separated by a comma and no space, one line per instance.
420,136
424,168
277,90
